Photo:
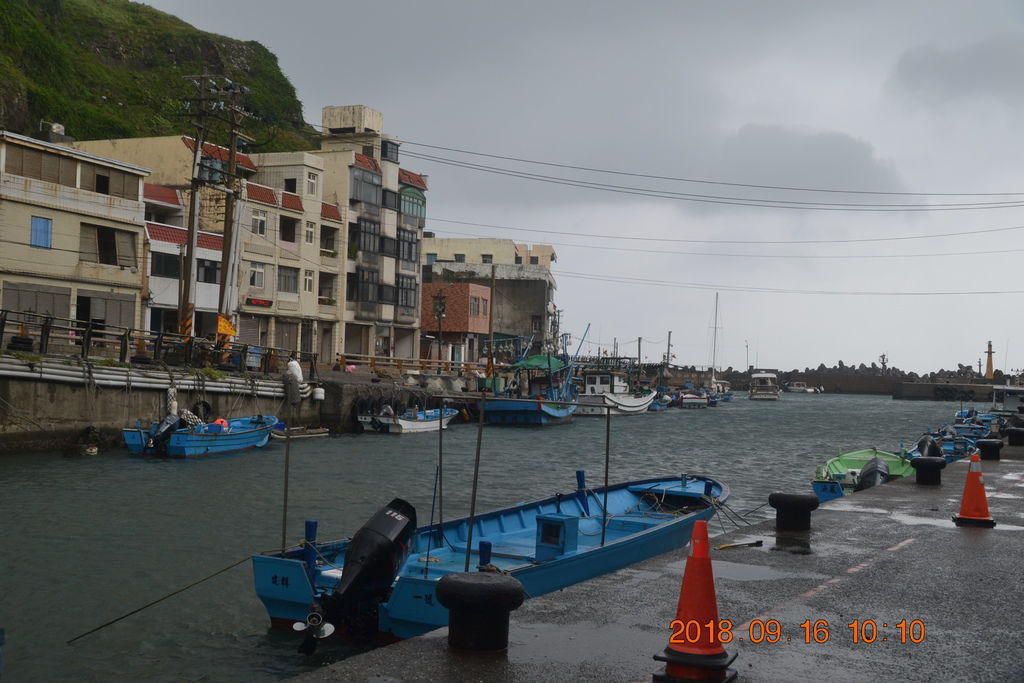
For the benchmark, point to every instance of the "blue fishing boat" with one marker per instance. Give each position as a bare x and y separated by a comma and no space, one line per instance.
383,580
945,443
170,438
972,417
541,393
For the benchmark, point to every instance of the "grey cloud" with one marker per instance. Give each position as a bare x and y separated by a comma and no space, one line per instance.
988,68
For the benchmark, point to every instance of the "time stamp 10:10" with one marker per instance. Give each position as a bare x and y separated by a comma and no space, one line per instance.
771,631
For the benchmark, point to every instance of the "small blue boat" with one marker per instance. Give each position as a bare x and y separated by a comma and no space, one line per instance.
946,444
973,417
382,581
167,438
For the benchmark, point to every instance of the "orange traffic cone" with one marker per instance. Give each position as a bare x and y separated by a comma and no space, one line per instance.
974,506
694,651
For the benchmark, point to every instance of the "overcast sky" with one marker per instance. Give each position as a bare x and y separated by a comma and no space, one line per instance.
873,97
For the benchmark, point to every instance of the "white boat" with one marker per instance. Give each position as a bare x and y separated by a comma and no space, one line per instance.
689,400
603,390
764,386
800,388
408,422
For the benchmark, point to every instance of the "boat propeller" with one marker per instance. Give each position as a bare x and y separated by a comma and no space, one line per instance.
317,628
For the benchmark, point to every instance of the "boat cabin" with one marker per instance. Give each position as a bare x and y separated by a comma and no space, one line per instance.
1007,398
606,383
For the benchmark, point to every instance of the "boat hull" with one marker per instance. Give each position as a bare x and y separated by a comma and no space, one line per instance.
597,405
540,413
426,421
207,439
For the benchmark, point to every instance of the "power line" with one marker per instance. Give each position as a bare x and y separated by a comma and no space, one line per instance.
717,199
768,256
770,290
696,241
713,182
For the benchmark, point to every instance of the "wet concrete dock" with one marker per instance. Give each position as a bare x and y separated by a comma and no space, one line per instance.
886,555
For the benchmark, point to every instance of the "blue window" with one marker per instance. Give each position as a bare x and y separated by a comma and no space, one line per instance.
42,232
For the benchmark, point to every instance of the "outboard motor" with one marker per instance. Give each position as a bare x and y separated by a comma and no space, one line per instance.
928,447
163,433
874,473
375,554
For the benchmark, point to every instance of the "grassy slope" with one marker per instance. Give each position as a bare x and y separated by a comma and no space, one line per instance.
114,68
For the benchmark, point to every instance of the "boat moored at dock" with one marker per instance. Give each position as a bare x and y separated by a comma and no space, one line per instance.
764,386
168,438
858,470
383,580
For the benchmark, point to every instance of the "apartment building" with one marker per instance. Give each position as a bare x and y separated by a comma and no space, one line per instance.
386,214
458,315
524,288
285,283
71,229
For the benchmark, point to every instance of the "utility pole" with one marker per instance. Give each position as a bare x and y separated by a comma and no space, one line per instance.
491,375
668,351
229,265
439,306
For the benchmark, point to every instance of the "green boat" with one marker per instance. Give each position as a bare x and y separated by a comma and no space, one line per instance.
859,470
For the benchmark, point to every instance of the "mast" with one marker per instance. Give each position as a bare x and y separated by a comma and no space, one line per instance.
714,343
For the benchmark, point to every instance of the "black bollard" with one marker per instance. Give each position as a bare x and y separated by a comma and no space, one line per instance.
1015,436
479,605
928,470
989,448
793,510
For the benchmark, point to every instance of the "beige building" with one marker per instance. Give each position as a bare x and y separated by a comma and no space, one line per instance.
327,244
485,251
71,226
524,287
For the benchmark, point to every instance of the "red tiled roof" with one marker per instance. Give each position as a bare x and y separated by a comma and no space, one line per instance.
260,193
410,178
291,201
220,153
330,211
162,194
369,163
167,233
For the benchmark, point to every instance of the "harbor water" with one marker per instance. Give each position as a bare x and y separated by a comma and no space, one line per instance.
89,539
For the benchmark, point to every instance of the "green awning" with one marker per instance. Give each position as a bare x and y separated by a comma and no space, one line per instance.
539,363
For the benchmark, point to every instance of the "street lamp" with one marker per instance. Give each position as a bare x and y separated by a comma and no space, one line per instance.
747,345
439,306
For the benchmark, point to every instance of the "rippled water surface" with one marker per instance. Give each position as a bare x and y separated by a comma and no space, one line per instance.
86,540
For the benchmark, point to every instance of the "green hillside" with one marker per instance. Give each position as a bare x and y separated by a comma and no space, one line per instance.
114,68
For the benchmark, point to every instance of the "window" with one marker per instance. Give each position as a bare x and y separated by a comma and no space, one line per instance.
311,179
104,180
369,235
288,279
328,238
474,305
406,290
259,222
519,260
460,258
414,203
390,199
256,275
431,258
365,186
534,260
325,288
290,185
407,245
389,150
487,258
388,246
483,307
102,183
386,294
368,280
42,232
310,232
351,287
535,323
99,244
165,265
307,281
207,271
288,228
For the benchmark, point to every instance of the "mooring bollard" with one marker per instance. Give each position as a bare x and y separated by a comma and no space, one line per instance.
479,605
989,448
928,470
1015,436
793,510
